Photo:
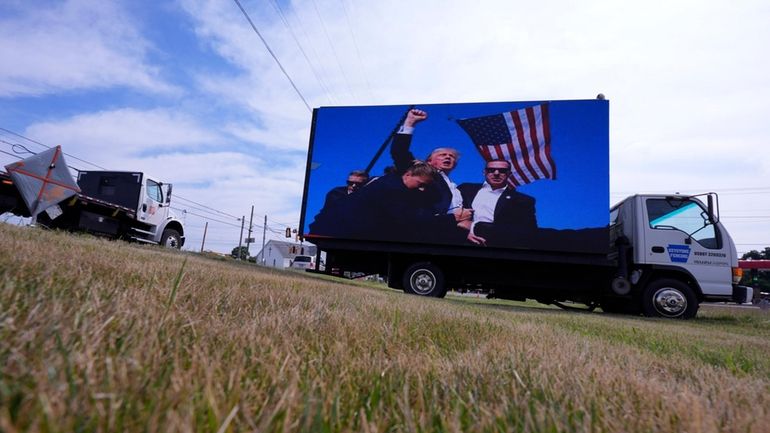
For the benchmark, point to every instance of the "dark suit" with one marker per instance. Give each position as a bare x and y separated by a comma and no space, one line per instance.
334,195
514,218
384,209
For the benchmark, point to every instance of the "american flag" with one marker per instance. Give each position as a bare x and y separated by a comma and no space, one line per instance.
522,137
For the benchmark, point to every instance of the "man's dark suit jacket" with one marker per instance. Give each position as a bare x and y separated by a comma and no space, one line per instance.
437,194
384,209
513,208
335,194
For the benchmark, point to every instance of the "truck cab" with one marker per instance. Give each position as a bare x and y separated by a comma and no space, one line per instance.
148,199
679,253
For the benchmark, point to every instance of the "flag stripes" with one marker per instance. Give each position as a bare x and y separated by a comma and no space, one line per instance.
522,137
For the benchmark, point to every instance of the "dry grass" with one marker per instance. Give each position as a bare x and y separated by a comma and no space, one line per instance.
104,336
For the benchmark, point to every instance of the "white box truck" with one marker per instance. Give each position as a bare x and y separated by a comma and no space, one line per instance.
510,199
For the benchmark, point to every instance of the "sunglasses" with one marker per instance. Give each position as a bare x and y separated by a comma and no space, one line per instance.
491,170
351,183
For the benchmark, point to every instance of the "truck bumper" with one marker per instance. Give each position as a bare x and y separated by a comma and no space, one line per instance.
742,294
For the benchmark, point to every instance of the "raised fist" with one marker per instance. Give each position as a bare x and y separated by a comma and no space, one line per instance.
414,117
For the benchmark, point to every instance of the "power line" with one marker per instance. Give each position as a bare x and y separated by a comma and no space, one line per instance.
186,206
358,52
48,147
11,154
245,14
720,191
16,153
208,207
334,50
288,26
186,212
285,224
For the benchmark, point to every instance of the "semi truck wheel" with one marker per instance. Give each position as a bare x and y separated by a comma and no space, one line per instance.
424,279
171,239
669,298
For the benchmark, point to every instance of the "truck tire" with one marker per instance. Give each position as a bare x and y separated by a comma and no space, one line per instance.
424,279
669,298
171,239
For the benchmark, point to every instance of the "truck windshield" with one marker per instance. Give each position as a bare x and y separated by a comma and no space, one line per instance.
303,259
684,215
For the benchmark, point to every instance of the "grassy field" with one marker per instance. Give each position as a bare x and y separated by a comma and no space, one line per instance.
104,336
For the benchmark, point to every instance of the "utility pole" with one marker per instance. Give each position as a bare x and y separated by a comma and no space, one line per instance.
240,239
249,239
205,229
264,233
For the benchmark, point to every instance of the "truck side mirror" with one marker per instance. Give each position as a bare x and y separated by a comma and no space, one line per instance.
168,194
710,203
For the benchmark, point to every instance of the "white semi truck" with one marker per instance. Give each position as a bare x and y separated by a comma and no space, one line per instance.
117,204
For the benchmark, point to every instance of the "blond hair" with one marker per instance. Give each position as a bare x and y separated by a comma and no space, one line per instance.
420,168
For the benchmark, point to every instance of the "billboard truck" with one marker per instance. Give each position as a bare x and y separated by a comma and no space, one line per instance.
508,198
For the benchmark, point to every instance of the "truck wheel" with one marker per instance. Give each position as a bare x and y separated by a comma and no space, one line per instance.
424,279
669,298
171,239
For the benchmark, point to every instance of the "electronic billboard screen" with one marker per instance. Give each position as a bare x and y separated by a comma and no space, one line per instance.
523,175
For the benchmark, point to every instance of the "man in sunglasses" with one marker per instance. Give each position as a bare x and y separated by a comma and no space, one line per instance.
442,194
356,179
500,213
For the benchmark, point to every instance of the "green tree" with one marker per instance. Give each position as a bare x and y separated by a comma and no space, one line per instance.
757,255
244,253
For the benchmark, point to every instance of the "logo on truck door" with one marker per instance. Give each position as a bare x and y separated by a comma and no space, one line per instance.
679,253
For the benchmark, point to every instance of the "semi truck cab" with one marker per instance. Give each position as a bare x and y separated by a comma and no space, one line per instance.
147,197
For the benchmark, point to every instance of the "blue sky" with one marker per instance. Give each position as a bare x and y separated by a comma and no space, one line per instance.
185,90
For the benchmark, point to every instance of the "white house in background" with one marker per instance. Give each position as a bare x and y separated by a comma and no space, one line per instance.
278,254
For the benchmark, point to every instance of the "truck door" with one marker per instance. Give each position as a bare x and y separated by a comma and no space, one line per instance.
679,233
152,210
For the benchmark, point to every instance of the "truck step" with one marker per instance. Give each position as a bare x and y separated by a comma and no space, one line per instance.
144,232
146,241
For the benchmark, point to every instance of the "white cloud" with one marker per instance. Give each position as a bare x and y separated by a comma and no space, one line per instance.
686,80
109,137
77,44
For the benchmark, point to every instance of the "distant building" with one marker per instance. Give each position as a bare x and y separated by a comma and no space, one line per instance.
280,254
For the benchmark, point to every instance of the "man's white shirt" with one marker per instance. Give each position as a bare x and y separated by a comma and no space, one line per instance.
484,204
